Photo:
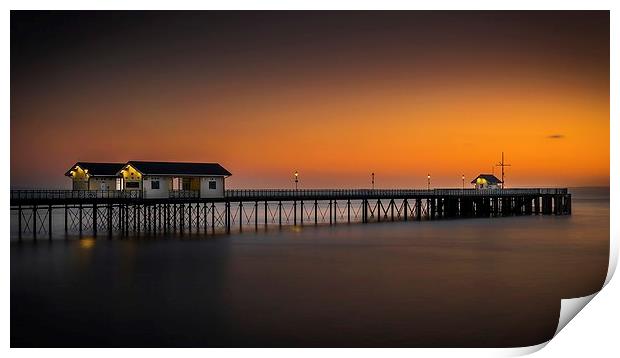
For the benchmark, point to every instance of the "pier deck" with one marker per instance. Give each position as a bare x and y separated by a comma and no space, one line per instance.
126,213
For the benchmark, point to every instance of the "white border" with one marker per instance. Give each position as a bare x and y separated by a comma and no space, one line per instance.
595,330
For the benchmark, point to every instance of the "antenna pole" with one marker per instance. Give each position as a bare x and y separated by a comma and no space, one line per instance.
502,170
502,164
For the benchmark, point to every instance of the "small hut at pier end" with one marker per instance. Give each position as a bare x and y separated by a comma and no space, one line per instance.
95,176
486,181
166,179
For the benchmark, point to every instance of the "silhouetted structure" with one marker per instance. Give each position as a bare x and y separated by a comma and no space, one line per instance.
127,213
486,181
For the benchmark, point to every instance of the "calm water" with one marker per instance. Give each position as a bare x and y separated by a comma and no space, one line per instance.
454,283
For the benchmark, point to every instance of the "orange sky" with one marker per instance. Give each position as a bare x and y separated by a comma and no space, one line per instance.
441,109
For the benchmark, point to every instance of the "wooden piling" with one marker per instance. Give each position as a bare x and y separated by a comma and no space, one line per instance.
34,222
19,222
94,219
348,211
80,218
49,222
255,215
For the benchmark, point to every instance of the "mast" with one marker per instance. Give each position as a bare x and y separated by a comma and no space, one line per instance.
502,164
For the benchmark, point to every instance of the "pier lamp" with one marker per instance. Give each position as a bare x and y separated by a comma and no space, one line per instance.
372,175
429,181
296,179
463,179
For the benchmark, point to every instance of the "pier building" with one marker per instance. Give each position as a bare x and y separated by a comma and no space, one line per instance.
486,181
95,176
158,180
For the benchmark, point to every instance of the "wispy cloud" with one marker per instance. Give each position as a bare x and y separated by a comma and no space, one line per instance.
556,136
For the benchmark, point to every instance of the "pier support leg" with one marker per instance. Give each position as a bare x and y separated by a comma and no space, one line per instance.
335,211
138,217
182,218
19,222
418,209
126,215
348,211
330,212
316,216
80,218
95,219
280,213
49,222
34,222
364,213
109,220
212,217
189,216
120,218
228,217
240,216
204,217
174,218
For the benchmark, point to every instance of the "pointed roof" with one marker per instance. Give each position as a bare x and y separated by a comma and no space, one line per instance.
97,169
178,168
490,178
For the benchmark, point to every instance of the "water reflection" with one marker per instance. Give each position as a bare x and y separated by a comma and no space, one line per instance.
87,243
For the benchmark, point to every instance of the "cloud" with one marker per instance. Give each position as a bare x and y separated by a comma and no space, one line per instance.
556,136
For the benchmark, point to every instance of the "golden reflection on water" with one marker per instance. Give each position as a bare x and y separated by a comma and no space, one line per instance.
296,229
87,243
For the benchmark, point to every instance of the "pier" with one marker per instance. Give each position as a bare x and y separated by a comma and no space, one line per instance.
127,214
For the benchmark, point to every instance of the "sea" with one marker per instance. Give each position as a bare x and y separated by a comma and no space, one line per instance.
485,282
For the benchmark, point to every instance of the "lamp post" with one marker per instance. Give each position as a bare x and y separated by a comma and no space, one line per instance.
373,180
296,179
429,181
463,179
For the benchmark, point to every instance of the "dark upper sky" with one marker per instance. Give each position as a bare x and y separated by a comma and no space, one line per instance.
238,87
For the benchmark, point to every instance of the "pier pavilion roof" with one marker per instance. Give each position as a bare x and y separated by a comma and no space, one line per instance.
97,169
178,168
490,179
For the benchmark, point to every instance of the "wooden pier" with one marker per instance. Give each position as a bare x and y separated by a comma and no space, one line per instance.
34,213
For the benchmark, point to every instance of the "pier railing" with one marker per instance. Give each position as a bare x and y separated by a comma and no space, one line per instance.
281,193
75,194
351,193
